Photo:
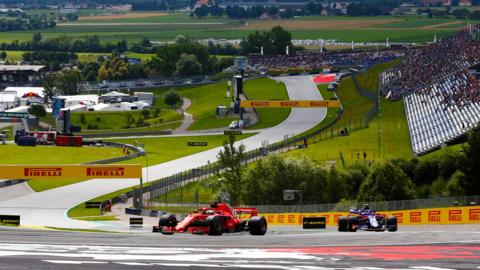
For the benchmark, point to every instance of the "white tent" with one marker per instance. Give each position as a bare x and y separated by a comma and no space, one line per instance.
115,94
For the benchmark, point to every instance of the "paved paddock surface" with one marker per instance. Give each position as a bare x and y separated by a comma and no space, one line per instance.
412,247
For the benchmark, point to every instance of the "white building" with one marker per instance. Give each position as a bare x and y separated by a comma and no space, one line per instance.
8,100
27,95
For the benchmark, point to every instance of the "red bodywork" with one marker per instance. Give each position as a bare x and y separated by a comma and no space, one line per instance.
195,222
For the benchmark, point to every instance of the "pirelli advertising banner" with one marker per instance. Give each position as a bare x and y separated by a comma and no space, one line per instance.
290,104
426,216
53,172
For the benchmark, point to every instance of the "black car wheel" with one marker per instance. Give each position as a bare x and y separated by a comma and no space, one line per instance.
352,223
214,224
168,220
257,225
343,224
392,224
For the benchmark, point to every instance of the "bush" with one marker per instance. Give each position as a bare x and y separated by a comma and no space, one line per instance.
172,97
426,171
92,126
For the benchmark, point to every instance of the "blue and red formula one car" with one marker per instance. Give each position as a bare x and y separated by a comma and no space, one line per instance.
367,220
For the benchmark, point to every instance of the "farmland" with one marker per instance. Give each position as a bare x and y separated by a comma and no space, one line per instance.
161,27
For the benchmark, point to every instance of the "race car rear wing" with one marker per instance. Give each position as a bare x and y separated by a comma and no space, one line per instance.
246,210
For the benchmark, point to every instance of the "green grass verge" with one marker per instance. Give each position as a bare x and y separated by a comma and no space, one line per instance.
385,137
80,212
13,154
118,121
265,89
205,99
164,149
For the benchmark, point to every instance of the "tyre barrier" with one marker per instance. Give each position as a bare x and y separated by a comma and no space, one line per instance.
427,216
136,152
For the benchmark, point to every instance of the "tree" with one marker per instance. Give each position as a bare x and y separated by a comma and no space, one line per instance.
188,65
386,182
272,11
49,86
3,55
67,82
281,38
172,97
231,158
336,188
181,39
469,164
102,73
202,11
36,39
274,42
38,111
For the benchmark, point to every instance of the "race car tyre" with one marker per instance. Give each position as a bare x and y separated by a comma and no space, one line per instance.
162,231
352,223
343,224
392,224
168,220
214,224
257,225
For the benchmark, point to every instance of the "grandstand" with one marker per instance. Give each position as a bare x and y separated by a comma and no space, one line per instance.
318,60
430,123
442,98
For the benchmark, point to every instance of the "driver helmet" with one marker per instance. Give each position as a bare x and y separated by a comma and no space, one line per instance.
210,212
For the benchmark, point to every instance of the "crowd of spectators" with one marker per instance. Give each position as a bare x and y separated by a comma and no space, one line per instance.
421,68
318,60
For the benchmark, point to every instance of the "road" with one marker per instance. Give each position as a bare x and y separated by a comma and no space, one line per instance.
412,247
49,208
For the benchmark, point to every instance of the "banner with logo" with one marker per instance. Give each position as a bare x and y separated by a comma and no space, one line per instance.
290,104
82,171
428,216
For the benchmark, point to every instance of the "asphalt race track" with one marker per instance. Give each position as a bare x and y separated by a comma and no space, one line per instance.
49,208
412,247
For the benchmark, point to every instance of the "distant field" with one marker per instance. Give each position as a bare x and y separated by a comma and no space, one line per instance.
161,26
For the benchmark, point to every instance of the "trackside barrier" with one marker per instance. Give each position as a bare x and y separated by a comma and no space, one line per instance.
427,216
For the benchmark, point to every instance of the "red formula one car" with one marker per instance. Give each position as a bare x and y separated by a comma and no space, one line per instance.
214,220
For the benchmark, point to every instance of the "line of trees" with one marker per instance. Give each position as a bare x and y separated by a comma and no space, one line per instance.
52,60
65,44
372,7
254,12
18,21
461,14
449,174
185,58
